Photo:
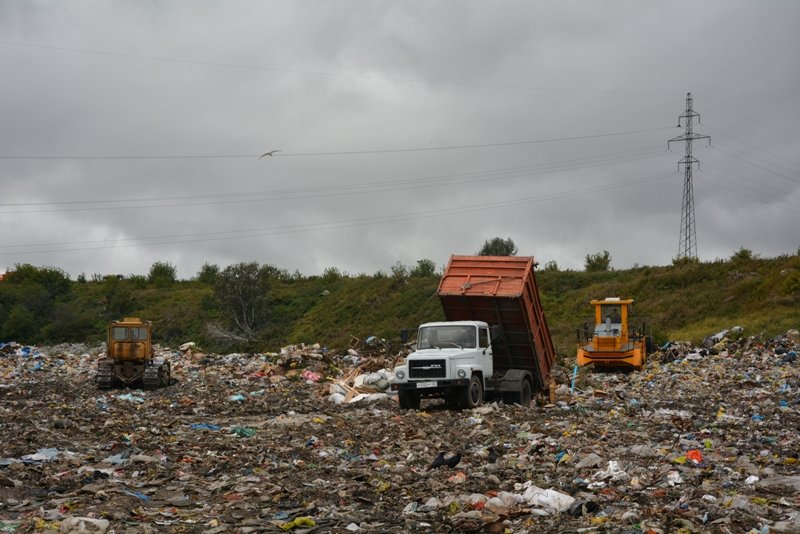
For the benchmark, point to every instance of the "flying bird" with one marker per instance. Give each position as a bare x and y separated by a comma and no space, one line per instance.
270,153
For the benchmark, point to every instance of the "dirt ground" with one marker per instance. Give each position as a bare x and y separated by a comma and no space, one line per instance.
699,441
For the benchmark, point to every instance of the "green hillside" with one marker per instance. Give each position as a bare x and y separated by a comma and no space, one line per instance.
42,305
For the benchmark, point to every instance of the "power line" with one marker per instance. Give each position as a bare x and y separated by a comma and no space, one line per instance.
328,153
333,225
330,191
756,121
735,155
738,156
725,184
776,190
328,74
614,157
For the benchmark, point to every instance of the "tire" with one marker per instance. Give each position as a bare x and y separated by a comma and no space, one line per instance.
472,395
409,400
525,394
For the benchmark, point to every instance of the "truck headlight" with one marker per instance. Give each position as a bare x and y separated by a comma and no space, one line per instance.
462,373
400,374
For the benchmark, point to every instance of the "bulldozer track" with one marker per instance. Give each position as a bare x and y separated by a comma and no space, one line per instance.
152,377
105,376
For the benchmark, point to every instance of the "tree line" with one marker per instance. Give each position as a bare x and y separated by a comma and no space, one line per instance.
43,305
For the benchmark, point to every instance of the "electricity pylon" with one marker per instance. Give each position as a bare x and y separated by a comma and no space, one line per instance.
687,242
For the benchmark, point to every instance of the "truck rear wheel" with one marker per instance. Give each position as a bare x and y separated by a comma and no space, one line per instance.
472,395
525,394
409,400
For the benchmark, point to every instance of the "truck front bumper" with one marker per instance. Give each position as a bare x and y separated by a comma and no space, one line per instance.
423,385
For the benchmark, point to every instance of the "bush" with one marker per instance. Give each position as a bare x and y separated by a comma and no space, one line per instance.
743,254
598,262
117,297
241,292
424,267
399,271
162,274
497,246
551,266
20,325
138,281
208,274
684,260
331,274
55,281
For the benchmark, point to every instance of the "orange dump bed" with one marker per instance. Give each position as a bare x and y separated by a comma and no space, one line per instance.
501,290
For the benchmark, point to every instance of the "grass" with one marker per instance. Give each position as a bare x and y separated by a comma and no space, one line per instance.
681,302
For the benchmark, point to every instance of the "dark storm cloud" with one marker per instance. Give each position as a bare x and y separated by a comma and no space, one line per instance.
134,80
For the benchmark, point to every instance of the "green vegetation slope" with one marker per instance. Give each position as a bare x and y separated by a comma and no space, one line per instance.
687,301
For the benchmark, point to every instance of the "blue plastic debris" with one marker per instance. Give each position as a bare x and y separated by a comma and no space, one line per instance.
41,455
138,494
204,426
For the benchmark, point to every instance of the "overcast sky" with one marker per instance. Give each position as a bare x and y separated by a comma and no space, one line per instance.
130,132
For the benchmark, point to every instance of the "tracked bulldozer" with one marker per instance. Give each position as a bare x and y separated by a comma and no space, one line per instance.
129,359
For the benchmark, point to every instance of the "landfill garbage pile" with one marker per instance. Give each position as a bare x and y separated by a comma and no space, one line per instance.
703,439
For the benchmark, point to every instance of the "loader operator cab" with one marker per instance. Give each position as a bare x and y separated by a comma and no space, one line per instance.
613,343
611,320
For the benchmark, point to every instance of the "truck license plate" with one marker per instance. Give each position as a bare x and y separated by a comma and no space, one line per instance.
426,385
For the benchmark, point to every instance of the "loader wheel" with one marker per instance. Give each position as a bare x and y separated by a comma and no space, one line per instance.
409,400
472,395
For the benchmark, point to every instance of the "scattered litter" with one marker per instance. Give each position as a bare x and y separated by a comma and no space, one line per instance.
701,439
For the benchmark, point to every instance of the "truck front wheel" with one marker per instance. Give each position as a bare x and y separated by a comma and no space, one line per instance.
409,400
472,395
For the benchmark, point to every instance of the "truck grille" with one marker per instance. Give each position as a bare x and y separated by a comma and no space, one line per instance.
427,369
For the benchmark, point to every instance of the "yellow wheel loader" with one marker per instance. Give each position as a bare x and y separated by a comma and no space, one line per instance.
613,342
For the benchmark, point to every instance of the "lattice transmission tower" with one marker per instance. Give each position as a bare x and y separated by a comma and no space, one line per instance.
687,243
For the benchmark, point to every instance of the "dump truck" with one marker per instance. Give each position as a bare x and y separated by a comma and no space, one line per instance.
129,358
494,344
613,342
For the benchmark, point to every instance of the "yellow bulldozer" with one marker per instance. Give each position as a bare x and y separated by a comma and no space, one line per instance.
129,358
613,342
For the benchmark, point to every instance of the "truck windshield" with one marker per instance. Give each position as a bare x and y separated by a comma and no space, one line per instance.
438,337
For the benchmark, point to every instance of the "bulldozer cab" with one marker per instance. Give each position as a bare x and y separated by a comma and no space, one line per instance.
130,339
